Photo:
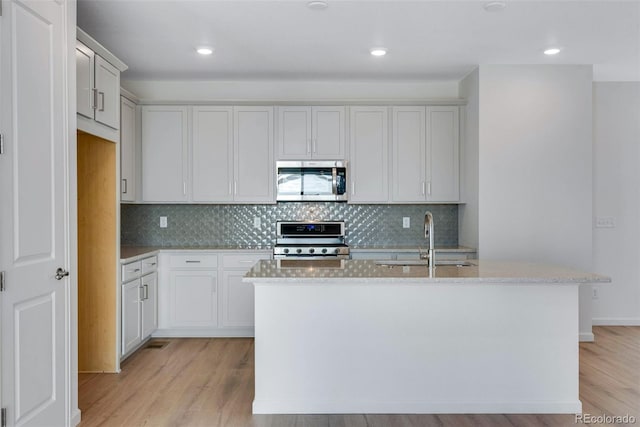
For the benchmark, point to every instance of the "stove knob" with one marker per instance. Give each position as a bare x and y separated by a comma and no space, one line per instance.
324,250
286,251
336,251
299,250
311,250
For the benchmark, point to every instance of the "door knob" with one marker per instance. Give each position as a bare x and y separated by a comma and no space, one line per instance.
61,273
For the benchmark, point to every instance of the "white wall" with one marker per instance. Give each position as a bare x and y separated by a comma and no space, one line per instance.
468,212
616,194
535,167
281,90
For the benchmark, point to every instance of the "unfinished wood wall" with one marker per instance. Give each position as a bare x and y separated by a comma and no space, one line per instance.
97,273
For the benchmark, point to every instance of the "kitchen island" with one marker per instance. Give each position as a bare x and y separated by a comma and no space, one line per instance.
353,336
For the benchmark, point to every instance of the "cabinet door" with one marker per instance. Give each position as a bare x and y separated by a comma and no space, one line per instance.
193,298
237,306
294,133
127,150
149,304
164,153
84,80
212,154
408,152
253,154
369,155
443,158
131,333
328,133
108,85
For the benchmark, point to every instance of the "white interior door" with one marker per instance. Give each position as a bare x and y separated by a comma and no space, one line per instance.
32,213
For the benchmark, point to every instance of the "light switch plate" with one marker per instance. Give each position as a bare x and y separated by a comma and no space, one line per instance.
163,222
406,222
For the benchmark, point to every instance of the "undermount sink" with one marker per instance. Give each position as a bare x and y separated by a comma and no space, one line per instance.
422,262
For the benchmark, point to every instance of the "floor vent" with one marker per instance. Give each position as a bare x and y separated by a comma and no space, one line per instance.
157,344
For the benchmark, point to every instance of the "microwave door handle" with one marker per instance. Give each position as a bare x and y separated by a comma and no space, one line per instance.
334,181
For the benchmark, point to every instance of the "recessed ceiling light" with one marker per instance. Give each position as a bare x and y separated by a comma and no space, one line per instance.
378,51
317,5
204,50
552,51
494,6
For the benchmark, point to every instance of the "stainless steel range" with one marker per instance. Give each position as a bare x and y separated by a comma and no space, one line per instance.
310,240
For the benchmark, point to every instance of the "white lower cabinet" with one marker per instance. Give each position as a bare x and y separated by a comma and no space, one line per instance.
201,293
139,303
131,316
193,298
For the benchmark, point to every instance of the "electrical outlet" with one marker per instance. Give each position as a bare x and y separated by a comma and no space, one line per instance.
406,222
257,222
163,222
595,294
605,222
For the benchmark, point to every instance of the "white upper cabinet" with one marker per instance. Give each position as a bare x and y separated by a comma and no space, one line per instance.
127,150
85,72
369,155
425,154
164,153
107,86
212,154
97,88
409,155
443,154
254,167
311,133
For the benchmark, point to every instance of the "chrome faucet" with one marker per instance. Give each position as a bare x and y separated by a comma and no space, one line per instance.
428,234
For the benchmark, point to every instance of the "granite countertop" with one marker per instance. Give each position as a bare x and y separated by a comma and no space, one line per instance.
414,248
358,271
134,253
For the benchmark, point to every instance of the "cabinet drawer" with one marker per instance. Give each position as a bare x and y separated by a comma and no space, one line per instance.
242,260
149,264
193,261
131,271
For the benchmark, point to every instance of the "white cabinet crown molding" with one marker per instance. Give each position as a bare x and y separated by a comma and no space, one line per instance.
94,45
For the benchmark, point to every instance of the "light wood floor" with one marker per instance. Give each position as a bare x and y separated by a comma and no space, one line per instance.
209,382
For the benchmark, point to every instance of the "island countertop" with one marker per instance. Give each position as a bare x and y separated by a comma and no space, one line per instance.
478,271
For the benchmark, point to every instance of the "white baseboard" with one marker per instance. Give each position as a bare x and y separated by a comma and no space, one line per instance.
204,333
616,321
586,337
75,417
302,406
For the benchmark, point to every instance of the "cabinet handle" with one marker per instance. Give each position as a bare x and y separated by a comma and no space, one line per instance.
193,261
134,270
146,292
94,99
141,294
353,187
423,187
429,188
315,145
124,186
308,146
101,95
184,188
246,261
230,191
235,187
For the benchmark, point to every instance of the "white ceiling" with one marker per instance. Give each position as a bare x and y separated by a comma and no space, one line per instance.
427,40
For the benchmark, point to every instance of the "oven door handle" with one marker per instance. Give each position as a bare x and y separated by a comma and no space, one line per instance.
334,181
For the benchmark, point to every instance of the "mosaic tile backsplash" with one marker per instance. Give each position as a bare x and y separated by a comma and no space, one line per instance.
232,225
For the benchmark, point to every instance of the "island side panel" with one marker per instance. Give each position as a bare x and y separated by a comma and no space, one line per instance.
416,348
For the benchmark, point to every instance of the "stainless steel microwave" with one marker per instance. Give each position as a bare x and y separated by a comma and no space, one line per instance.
324,180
